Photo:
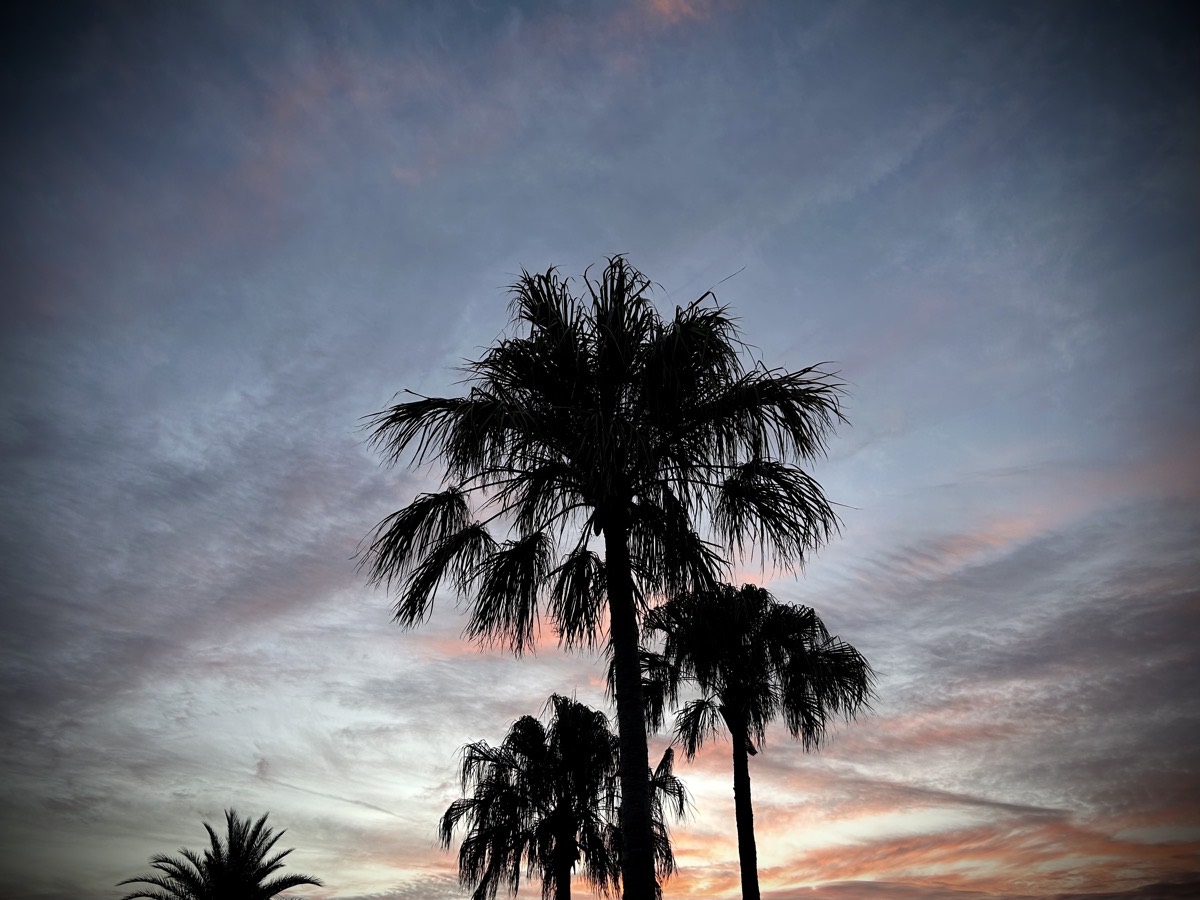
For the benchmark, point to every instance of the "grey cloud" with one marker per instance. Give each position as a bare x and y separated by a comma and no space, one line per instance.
1053,668
235,230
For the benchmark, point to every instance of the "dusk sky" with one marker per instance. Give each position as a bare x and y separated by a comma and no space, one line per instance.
234,229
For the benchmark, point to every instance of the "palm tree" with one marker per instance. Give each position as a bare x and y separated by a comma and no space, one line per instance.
234,870
601,421
752,659
544,801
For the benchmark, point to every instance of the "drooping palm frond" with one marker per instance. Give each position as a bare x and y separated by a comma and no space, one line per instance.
511,579
696,722
668,796
835,680
758,658
669,551
406,537
537,803
752,660
577,597
544,803
778,508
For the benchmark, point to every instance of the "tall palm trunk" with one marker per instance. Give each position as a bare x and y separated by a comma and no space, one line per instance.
562,883
637,853
564,864
743,809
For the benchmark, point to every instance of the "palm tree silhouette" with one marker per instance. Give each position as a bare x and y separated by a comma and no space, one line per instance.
234,870
544,801
603,420
753,659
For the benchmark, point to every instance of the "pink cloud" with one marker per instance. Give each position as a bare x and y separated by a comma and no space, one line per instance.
1039,857
673,11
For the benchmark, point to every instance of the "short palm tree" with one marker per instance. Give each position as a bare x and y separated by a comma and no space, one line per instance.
602,423
752,659
237,869
544,801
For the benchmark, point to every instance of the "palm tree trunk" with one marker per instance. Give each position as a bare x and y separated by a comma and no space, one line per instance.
562,875
743,812
637,853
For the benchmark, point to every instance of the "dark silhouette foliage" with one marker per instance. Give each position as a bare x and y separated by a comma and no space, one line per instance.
237,869
753,660
600,422
544,801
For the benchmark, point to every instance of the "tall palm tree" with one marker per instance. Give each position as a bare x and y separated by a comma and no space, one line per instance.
234,870
752,659
544,801
600,422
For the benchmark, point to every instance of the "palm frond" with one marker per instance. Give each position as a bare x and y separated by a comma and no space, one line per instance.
622,320
546,794
461,555
769,412
423,421
544,301
777,507
511,578
691,357
542,494
757,659
287,882
672,557
660,686
696,722
234,867
831,679
667,790
577,597
402,540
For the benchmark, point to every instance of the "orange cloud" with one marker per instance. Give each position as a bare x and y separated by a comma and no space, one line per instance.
677,10
1039,857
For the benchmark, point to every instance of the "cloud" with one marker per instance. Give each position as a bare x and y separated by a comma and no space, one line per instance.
233,231
1030,857
675,11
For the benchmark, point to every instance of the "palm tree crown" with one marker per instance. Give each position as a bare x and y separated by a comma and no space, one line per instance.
753,660
237,869
544,801
602,421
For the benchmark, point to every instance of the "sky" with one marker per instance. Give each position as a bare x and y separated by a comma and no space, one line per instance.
232,230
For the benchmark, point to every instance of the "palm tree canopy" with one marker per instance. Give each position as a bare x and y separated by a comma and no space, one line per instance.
544,800
600,415
600,418
236,869
753,659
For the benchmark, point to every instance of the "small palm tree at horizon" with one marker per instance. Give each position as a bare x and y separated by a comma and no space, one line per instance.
544,801
602,422
237,869
753,659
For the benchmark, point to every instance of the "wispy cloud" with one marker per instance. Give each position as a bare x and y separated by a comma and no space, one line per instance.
235,231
